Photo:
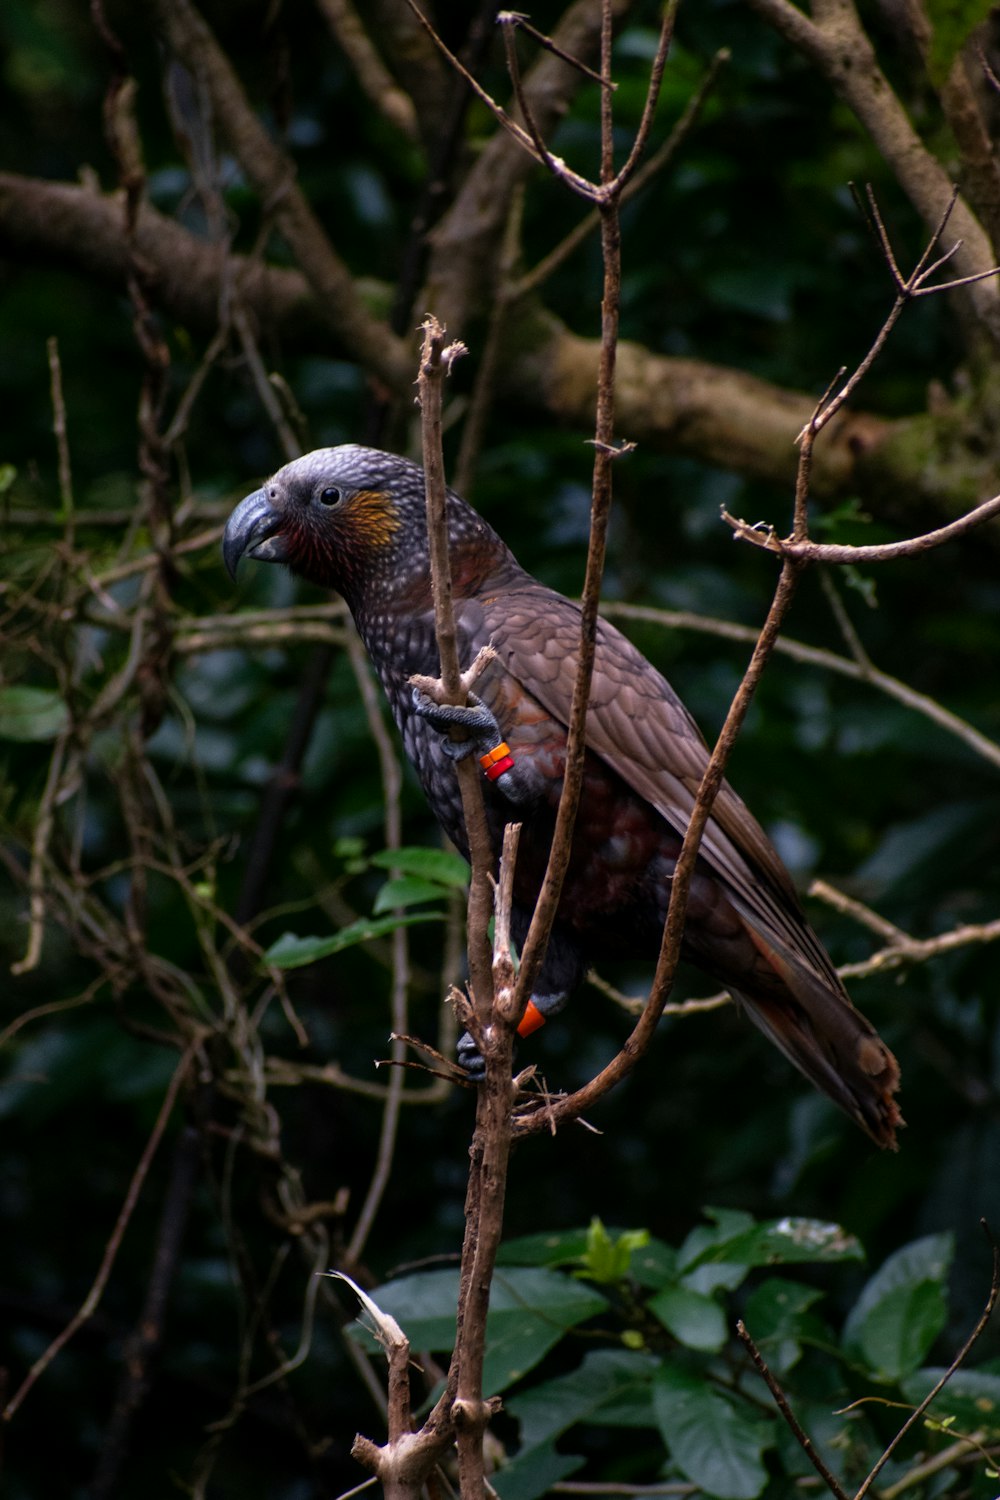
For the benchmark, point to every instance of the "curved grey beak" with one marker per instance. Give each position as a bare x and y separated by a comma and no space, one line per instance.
252,529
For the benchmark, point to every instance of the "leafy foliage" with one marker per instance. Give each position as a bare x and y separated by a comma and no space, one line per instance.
683,1387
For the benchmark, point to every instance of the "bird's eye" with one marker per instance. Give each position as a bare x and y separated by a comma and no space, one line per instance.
330,495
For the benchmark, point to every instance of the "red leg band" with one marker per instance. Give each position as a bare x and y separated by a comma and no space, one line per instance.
496,761
531,1020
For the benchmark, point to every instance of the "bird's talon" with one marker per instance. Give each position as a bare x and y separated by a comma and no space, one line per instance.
470,1058
473,716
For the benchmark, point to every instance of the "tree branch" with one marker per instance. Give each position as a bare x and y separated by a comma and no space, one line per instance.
831,552
839,46
717,414
273,175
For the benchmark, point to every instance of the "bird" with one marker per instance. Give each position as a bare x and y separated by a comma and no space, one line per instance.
353,520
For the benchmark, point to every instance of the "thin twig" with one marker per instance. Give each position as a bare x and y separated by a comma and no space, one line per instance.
514,18
817,656
532,1119
605,455
844,623
392,782
434,361
907,288
42,834
967,1449
571,179
540,273
956,1363
781,1400
59,428
93,1297
859,912
620,182
832,552
919,950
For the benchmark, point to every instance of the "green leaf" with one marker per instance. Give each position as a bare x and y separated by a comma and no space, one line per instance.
607,1259
693,1318
951,23
609,1386
902,1309
533,1474
31,714
292,952
604,1379
405,890
712,1441
778,1319
702,1260
722,1255
652,1261
972,1397
654,1264
530,1310
556,1248
442,866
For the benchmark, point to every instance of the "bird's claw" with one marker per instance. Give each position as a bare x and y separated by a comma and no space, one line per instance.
474,717
470,1059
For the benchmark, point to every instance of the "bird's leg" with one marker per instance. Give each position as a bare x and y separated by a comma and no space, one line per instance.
474,717
484,739
561,972
537,1012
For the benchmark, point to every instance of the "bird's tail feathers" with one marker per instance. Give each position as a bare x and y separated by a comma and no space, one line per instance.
810,1018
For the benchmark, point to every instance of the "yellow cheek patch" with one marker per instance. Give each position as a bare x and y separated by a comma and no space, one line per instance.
373,517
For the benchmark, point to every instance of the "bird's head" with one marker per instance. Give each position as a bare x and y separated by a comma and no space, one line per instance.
340,517
355,520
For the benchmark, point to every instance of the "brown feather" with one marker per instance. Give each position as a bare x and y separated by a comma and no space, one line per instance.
640,728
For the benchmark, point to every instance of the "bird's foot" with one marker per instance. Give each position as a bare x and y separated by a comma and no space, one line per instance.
469,1057
537,1012
479,723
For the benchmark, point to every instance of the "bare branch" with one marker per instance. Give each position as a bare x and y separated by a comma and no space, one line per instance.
838,44
781,1400
832,552
273,174
93,1297
373,76
540,273
816,656
627,172
514,18
604,457
434,360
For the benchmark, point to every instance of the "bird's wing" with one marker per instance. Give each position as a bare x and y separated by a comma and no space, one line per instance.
639,726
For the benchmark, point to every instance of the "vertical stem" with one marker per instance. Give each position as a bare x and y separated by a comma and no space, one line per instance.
604,456
392,781
485,1203
61,437
480,890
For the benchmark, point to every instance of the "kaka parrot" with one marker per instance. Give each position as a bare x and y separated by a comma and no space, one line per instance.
353,519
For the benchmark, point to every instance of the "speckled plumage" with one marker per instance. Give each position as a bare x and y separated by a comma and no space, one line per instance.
352,519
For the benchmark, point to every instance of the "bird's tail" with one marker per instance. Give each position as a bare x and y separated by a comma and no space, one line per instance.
809,1016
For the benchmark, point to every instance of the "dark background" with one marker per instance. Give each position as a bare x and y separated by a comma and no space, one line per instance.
751,252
